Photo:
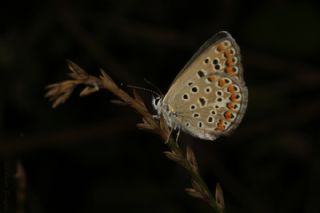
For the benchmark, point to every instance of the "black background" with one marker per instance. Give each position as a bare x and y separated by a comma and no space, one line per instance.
88,156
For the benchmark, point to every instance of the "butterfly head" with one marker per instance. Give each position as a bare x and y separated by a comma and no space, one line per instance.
161,108
157,103
165,110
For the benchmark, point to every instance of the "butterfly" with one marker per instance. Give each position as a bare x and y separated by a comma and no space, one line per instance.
208,98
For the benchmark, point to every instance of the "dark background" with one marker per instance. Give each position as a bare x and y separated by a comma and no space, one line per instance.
88,156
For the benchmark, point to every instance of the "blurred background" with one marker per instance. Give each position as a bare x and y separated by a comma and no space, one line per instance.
88,155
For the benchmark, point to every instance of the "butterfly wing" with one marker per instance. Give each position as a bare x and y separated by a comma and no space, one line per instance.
215,41
209,96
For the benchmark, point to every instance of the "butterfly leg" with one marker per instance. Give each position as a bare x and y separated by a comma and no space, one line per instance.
177,136
169,136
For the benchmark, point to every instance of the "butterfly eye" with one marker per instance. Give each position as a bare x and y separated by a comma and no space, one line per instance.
156,101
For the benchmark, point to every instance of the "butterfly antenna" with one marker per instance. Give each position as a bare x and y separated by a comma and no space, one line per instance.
145,89
154,86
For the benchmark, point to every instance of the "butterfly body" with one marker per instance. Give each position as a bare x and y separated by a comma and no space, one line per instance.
208,98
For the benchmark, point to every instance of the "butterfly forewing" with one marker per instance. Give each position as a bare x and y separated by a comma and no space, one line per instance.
209,96
212,48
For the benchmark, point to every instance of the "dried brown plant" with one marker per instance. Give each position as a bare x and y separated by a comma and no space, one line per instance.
58,93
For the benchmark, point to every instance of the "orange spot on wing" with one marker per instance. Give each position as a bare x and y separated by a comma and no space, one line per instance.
229,52
221,82
220,47
231,88
233,97
227,115
230,105
229,62
220,125
230,70
212,78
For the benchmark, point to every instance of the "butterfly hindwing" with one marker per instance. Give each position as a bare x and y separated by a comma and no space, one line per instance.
209,106
209,96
